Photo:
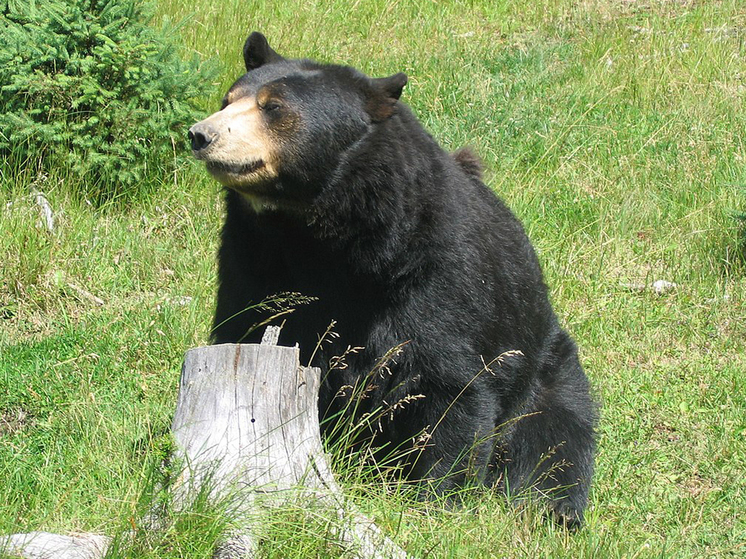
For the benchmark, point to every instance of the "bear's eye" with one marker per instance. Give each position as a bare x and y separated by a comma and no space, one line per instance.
269,105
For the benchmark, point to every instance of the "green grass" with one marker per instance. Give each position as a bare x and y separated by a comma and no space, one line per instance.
614,129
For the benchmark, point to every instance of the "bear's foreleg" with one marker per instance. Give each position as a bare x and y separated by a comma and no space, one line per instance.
456,446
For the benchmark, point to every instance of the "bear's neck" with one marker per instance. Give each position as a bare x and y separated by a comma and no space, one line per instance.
385,195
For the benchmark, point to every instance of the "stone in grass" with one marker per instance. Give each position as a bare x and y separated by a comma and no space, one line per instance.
661,287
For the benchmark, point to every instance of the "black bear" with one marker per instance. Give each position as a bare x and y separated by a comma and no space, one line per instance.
335,191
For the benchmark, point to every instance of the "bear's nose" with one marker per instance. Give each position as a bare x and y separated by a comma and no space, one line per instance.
201,136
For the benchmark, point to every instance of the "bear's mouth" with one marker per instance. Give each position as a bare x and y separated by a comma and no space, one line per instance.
220,167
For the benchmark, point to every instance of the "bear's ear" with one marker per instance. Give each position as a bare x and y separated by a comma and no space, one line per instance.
257,52
384,95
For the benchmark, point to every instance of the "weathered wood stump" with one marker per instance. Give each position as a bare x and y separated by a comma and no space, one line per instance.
246,424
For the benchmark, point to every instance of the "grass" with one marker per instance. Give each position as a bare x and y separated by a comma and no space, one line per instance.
614,129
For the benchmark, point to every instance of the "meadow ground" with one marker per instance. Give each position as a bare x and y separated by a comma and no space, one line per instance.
614,129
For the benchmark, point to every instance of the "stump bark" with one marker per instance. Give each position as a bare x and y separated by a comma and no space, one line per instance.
246,424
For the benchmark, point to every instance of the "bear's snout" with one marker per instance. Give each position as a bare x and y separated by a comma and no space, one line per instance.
201,135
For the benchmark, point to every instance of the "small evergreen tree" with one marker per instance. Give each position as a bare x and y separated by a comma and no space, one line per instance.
89,87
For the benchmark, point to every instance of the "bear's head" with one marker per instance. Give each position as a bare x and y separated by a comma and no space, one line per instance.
285,124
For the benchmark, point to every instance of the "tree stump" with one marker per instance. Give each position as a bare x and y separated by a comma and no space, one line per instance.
246,424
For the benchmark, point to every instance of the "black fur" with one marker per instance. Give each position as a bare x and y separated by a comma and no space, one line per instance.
402,242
